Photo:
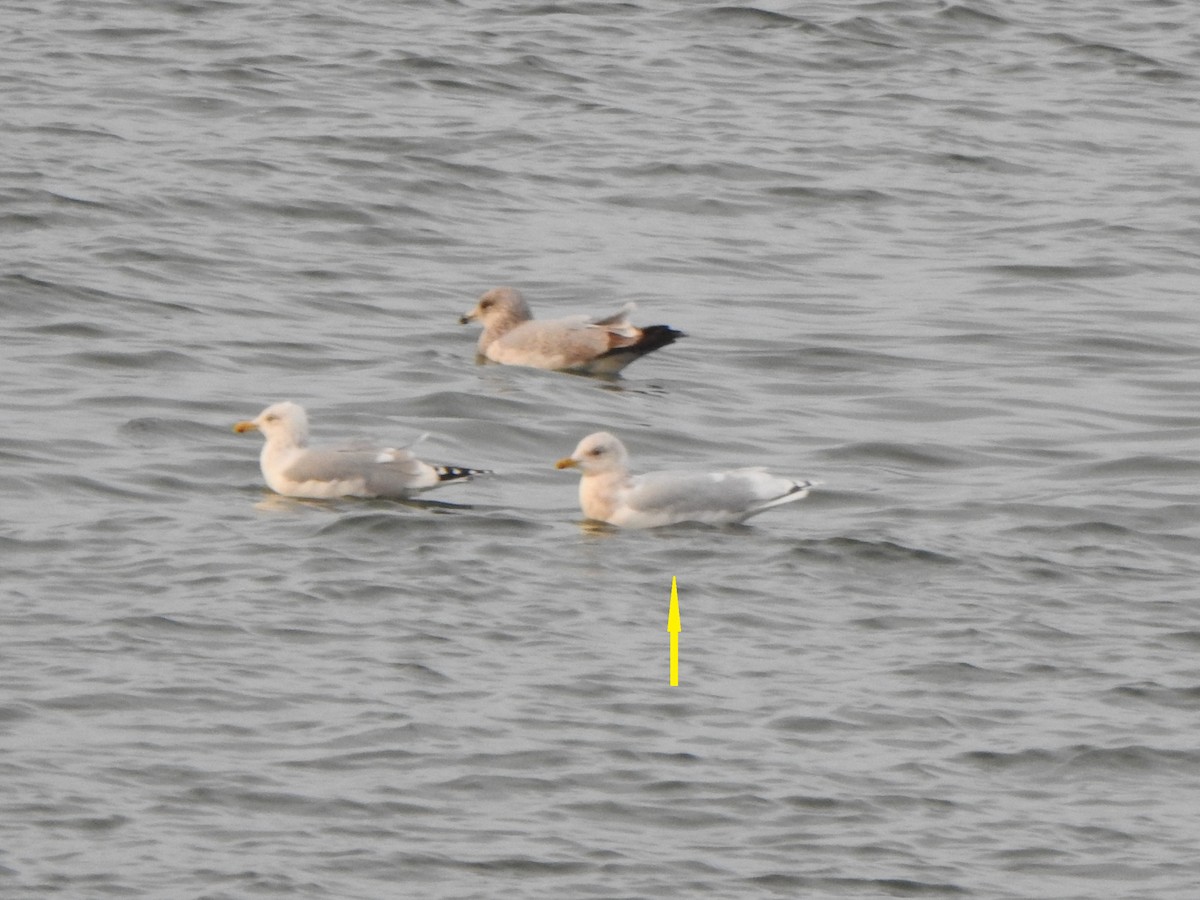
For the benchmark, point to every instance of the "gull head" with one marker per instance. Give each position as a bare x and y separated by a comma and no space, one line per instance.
499,305
596,454
285,421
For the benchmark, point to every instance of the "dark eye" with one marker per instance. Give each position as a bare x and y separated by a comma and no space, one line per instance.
599,451
486,304
272,418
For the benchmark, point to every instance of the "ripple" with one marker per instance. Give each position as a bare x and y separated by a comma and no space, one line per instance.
919,257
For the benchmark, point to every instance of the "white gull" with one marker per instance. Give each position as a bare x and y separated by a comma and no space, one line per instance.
609,493
291,468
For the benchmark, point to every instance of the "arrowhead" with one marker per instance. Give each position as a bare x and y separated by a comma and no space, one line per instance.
673,616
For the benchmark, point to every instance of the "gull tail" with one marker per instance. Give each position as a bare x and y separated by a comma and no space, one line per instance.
798,491
649,339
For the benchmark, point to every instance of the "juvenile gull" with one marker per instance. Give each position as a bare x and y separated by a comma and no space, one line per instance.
292,469
608,492
598,347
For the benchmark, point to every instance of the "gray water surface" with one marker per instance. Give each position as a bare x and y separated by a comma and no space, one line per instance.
941,256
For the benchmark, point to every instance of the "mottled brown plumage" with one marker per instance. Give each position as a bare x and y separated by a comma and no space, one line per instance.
512,336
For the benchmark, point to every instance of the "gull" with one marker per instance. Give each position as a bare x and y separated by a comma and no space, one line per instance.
609,493
596,347
291,468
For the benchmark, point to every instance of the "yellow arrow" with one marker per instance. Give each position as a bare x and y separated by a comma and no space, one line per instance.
674,628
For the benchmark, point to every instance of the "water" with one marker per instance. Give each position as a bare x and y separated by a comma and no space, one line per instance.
940,256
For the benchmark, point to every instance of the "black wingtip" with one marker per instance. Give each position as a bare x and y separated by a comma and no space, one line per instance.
459,473
654,337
